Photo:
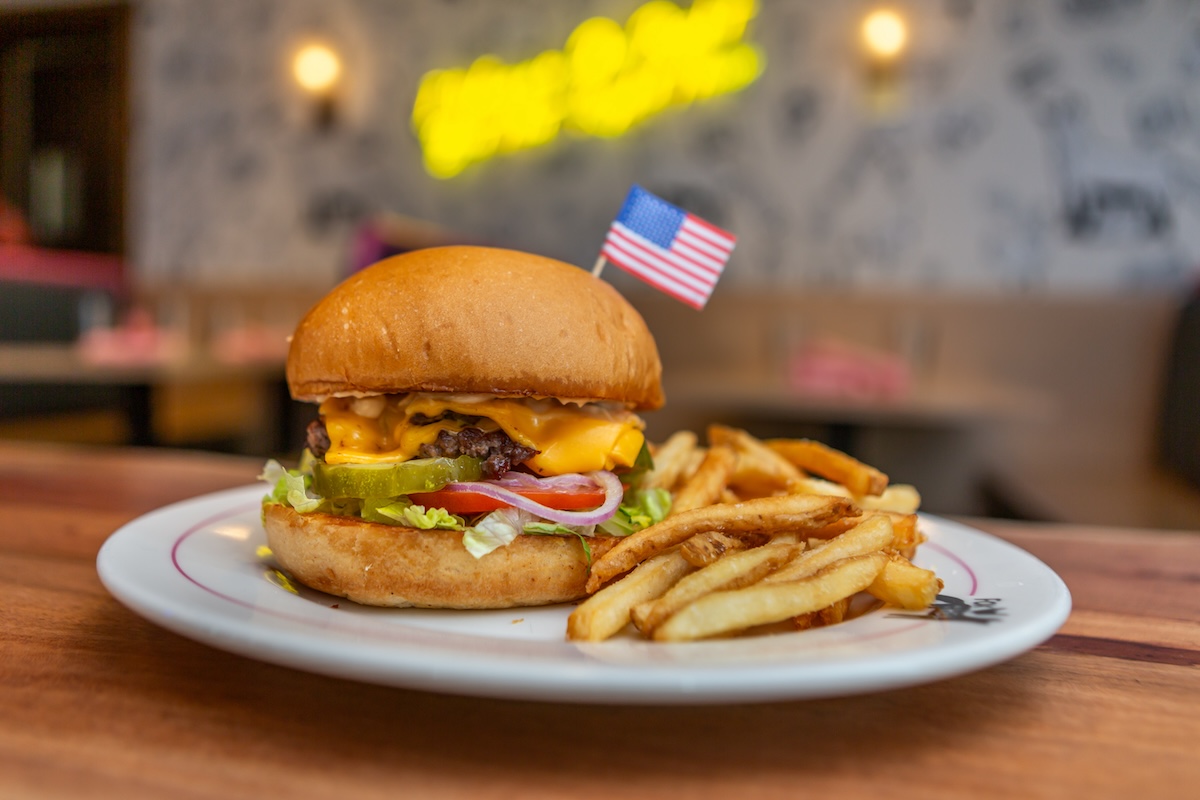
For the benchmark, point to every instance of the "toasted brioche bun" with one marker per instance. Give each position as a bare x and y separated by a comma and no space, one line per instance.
475,320
385,565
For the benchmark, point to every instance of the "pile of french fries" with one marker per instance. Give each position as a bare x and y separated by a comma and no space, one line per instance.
761,533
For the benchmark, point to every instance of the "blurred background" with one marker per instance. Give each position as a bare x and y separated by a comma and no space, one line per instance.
968,232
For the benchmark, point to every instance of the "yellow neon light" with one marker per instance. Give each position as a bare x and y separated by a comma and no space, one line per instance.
607,79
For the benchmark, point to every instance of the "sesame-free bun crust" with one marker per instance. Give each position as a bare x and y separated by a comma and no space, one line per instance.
385,565
475,320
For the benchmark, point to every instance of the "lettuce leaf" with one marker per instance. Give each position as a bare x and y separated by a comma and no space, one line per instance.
501,527
641,509
496,530
547,528
428,519
290,486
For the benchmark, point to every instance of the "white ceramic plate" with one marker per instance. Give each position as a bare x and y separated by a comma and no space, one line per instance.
196,568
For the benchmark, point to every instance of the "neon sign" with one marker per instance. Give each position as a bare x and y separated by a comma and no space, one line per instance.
607,79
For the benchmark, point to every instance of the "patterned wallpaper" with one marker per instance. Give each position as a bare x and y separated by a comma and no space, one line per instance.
1041,145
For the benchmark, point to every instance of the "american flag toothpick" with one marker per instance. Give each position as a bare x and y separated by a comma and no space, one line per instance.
668,248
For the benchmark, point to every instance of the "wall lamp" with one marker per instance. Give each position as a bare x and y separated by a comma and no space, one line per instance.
884,38
318,70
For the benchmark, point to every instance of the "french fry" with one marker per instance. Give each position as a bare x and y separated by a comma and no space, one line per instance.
606,612
904,584
759,533
638,614
813,485
760,470
705,486
734,571
783,514
694,460
835,528
830,615
905,533
725,612
900,498
871,535
671,460
812,456
705,548
804,622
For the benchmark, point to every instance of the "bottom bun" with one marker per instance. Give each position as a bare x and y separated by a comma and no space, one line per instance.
386,565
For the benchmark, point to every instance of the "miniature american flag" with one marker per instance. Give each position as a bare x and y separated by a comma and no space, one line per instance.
667,247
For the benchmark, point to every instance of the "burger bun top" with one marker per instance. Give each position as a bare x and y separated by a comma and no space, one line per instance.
475,320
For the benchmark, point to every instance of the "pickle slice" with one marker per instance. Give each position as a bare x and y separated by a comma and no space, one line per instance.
393,480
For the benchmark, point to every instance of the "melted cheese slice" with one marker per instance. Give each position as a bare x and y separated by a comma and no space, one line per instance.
568,437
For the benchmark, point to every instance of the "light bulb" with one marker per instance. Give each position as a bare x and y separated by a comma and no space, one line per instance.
884,34
316,68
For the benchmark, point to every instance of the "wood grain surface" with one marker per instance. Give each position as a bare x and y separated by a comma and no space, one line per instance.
97,702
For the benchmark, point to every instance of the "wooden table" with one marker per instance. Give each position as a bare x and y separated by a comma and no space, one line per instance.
95,701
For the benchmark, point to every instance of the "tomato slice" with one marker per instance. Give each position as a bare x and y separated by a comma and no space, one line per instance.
468,502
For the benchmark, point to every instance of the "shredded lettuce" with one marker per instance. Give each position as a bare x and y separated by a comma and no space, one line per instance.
641,509
649,507
428,519
290,486
387,510
494,531
548,528
273,473
502,526
582,532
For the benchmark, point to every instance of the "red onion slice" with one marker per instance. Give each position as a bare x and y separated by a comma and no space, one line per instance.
523,480
610,483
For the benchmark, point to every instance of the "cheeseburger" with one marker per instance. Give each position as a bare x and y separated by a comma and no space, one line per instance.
477,444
